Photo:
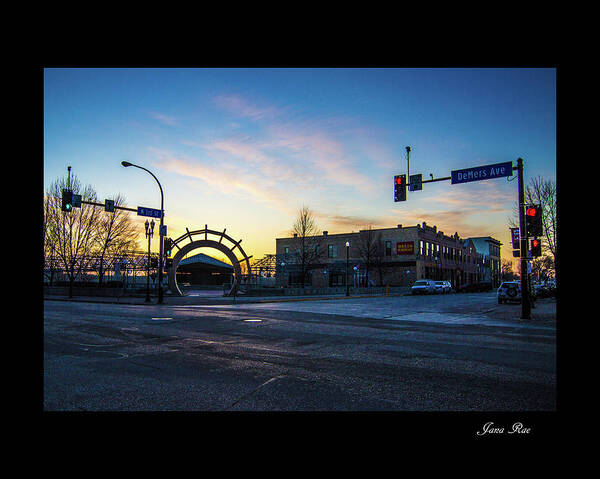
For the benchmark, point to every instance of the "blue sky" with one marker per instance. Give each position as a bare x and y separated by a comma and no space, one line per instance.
244,149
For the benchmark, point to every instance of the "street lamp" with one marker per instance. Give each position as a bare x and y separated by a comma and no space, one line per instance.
347,260
149,234
160,233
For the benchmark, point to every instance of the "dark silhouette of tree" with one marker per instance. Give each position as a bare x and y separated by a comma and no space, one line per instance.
370,250
69,235
543,192
115,235
309,249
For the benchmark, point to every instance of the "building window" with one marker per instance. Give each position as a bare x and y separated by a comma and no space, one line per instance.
332,251
388,248
421,247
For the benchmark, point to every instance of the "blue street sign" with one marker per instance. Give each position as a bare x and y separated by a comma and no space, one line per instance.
143,211
477,173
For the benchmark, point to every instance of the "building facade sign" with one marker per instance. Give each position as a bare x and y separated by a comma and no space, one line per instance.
405,247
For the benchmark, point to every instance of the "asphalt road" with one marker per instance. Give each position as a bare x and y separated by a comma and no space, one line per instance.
440,353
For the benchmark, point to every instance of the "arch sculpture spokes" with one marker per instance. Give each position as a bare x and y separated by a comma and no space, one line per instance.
199,239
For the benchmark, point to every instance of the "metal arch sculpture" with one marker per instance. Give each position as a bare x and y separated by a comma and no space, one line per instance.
208,243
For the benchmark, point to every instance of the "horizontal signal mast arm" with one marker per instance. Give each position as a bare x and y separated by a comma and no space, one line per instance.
449,177
102,204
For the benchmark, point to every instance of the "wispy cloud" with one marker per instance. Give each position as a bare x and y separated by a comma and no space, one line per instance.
321,154
309,143
352,222
244,108
223,178
167,120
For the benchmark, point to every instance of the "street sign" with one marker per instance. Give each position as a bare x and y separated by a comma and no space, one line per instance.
514,233
415,182
477,173
143,211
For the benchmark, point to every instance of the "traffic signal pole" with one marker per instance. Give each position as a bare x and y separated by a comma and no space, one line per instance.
485,172
523,238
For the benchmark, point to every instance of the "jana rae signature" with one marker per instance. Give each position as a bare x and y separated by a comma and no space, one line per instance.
490,428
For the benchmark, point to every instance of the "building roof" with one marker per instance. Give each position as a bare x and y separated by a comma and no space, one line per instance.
204,259
482,243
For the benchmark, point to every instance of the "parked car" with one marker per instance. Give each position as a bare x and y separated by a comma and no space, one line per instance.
423,286
509,291
443,287
545,290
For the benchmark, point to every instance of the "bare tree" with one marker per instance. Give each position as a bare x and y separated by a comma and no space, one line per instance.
543,192
50,239
309,241
115,235
369,249
70,234
543,267
506,270
379,258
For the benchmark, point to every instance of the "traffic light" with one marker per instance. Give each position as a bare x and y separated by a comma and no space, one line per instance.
536,248
67,200
533,218
168,246
400,188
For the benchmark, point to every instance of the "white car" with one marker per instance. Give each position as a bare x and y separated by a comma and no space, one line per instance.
509,291
423,286
443,287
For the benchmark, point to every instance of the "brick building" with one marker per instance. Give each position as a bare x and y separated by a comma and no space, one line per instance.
390,256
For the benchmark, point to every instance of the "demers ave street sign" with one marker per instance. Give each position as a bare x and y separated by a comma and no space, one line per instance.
478,173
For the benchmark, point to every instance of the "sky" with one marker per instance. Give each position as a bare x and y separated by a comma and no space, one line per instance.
246,148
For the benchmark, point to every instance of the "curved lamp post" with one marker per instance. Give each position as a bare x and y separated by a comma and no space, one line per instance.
160,241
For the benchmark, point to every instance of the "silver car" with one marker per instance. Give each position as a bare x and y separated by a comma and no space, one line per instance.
443,287
423,286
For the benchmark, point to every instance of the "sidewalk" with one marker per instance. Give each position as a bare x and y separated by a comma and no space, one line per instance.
200,300
545,310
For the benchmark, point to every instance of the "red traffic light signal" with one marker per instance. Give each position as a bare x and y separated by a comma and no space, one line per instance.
533,219
400,188
536,247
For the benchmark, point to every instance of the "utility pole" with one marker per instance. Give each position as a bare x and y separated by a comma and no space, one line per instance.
408,162
524,239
